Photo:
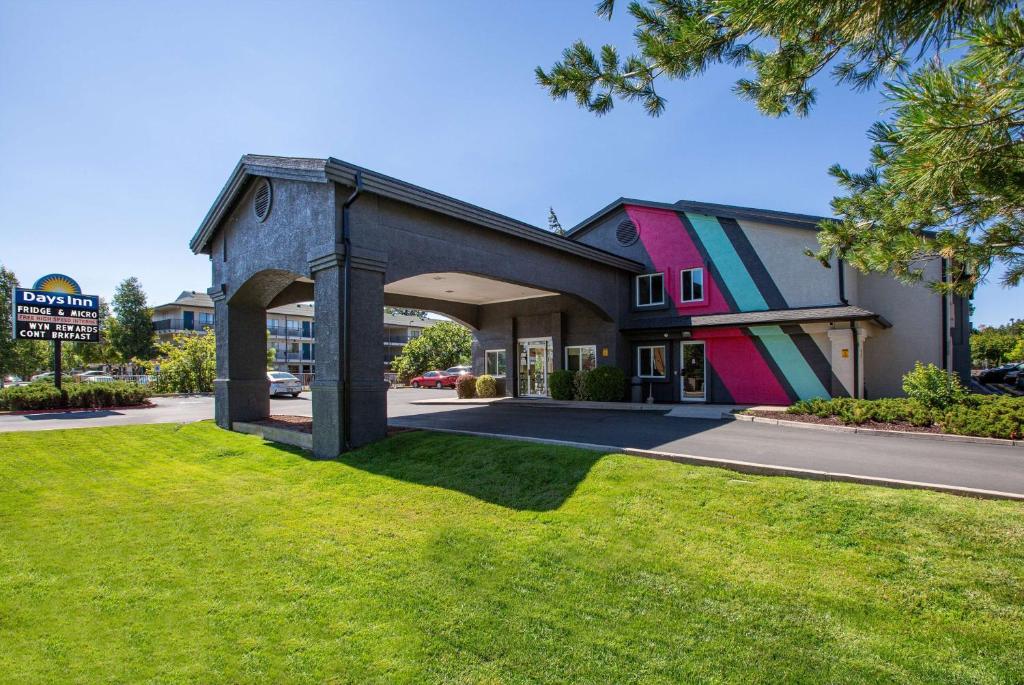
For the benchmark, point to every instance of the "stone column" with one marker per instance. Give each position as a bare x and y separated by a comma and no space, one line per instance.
241,389
367,387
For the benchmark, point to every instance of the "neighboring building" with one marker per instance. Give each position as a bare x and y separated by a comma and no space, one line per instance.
291,329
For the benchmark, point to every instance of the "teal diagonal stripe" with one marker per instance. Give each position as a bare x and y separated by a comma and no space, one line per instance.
791,362
731,268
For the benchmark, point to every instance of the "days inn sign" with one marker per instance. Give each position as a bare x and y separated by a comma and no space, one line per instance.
55,309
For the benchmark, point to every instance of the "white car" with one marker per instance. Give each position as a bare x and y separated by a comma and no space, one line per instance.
283,383
86,375
98,378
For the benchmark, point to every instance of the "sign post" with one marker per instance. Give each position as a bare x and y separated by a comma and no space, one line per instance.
55,309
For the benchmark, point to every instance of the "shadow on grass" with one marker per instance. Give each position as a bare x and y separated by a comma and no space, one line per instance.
517,475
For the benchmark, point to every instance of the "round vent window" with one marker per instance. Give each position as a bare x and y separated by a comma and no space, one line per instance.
626,233
261,200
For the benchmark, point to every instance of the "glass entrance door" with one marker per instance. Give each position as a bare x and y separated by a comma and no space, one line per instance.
692,371
535,362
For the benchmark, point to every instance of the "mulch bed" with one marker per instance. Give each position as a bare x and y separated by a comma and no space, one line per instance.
304,424
833,421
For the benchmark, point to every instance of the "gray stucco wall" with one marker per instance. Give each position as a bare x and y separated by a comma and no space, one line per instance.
915,313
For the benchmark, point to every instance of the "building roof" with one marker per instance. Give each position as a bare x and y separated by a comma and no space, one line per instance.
331,169
770,216
762,318
199,299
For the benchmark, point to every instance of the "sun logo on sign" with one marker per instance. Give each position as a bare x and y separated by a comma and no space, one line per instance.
57,283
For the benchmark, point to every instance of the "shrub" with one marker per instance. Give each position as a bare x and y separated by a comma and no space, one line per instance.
116,394
989,417
74,395
561,384
604,384
465,387
579,385
32,396
486,386
933,387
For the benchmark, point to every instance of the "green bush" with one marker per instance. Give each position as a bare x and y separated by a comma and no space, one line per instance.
33,396
933,387
486,386
115,394
561,384
990,416
73,395
604,384
465,387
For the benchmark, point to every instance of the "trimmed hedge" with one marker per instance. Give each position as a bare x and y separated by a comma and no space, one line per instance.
44,395
486,386
989,416
465,387
604,384
561,384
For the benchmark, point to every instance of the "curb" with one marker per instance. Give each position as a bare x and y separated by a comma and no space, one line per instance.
752,468
942,437
73,410
557,404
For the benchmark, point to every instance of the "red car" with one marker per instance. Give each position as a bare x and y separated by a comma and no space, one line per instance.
434,379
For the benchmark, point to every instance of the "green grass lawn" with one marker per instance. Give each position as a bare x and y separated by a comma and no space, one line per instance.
188,554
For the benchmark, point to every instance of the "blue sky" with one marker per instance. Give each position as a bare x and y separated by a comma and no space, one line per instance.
119,123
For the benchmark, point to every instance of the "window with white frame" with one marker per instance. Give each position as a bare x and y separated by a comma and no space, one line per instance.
650,289
650,361
691,285
580,357
494,362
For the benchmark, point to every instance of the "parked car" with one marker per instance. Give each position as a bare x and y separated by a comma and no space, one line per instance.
458,370
283,383
48,375
435,379
10,380
90,374
1013,375
996,374
97,378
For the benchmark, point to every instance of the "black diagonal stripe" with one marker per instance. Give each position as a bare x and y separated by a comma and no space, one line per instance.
755,267
708,264
717,392
815,358
776,371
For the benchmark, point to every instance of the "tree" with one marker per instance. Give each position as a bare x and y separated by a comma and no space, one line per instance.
188,363
554,225
406,311
993,345
19,357
440,346
131,336
8,345
947,170
102,352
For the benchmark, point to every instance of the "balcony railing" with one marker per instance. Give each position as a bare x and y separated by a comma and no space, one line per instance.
171,325
285,332
280,356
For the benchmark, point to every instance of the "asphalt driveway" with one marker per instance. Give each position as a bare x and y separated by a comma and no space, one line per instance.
987,467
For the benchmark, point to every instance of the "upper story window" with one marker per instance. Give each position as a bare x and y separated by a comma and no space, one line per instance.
650,290
691,285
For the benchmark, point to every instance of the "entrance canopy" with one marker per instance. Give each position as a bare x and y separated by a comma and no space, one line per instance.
286,230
